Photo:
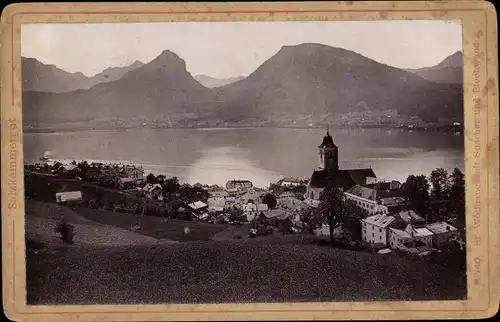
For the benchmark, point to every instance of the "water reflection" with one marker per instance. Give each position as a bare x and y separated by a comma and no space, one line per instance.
258,154
218,165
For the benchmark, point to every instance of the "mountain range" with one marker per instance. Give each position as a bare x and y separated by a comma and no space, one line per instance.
307,81
449,70
40,77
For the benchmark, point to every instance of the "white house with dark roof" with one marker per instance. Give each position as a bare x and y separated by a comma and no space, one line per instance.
411,237
366,198
290,182
374,229
443,233
330,174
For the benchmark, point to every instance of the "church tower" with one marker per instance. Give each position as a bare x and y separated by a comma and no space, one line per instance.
328,154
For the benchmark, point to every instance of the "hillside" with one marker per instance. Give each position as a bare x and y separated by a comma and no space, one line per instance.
210,82
450,70
40,77
318,80
240,271
307,81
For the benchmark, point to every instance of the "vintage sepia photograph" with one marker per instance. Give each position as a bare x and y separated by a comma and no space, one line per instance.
242,162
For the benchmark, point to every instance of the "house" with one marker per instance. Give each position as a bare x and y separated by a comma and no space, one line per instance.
218,194
366,198
230,202
69,197
443,233
153,191
312,203
256,197
216,202
410,217
233,192
329,173
411,239
287,194
251,210
374,229
70,167
239,184
383,184
324,232
290,182
131,171
272,217
292,204
393,204
126,183
198,207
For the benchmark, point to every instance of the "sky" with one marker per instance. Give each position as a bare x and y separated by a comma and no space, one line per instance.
230,49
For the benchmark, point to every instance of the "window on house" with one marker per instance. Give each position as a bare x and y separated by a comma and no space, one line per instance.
380,237
380,230
373,234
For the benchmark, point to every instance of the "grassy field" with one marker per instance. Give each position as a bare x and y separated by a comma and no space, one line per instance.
270,270
209,265
155,227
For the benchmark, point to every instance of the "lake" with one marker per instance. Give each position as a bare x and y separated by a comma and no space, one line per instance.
262,155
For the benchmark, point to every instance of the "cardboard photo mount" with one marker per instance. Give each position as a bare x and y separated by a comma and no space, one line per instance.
481,149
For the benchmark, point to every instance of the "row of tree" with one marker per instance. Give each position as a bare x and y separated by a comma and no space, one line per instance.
439,196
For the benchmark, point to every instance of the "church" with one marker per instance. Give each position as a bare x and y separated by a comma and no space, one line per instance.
329,173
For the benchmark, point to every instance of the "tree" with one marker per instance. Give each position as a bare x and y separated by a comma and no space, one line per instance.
269,200
151,178
172,185
440,184
235,214
457,194
161,179
276,188
333,209
352,222
416,192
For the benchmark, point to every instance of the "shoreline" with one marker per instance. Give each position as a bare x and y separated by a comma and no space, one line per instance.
417,128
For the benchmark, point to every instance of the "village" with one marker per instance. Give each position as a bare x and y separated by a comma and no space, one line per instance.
369,213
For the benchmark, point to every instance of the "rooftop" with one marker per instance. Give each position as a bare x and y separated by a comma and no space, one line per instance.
363,192
197,205
291,180
423,231
340,178
392,201
400,233
440,227
410,216
379,220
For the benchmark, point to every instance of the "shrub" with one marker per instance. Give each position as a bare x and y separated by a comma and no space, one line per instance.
66,232
264,231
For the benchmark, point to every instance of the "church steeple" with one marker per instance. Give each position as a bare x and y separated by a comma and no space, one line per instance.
328,153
